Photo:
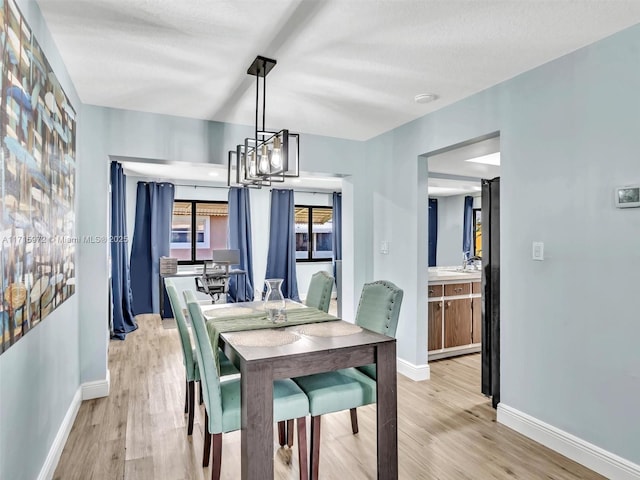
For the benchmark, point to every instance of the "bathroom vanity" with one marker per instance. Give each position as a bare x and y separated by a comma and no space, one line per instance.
454,312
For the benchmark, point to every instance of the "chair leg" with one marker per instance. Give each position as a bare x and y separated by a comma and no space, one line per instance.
217,456
192,386
200,388
354,421
207,441
303,464
186,396
290,433
282,434
315,446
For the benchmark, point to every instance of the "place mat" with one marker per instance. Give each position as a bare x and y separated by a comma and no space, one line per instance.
259,321
227,312
263,338
331,329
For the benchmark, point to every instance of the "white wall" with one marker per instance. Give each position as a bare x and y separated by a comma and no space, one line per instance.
568,136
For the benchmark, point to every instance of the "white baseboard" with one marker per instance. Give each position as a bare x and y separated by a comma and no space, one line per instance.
591,456
97,389
416,373
51,462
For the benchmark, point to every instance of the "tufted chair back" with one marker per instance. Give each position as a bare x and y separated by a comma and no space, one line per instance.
378,310
188,359
319,294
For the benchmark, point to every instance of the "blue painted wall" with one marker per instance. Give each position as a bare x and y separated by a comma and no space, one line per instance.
569,135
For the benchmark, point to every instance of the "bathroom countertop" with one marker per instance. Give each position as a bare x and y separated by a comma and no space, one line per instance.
453,275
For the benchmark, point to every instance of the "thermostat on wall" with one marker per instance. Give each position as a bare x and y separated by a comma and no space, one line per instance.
628,196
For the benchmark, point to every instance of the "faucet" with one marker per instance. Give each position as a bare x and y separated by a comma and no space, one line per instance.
471,261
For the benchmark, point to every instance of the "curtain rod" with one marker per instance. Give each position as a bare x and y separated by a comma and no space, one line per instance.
200,186
226,188
325,192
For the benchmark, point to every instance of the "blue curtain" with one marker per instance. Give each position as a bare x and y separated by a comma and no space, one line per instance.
151,240
467,228
433,231
122,315
240,239
281,259
337,229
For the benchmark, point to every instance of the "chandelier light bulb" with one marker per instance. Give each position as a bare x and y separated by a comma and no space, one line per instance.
276,154
263,165
252,164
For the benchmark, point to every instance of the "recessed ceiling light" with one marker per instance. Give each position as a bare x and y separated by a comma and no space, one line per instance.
214,174
425,97
491,159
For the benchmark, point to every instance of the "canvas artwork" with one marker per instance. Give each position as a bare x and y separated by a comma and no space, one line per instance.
37,135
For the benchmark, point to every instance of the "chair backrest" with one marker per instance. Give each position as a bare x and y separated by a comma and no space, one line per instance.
379,307
319,294
185,340
209,377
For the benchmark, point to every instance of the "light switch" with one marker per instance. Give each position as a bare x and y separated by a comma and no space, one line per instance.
538,251
384,247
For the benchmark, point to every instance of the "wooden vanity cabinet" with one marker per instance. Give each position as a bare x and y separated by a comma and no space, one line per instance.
454,318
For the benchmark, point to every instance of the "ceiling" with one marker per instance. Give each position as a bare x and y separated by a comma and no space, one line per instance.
346,68
451,172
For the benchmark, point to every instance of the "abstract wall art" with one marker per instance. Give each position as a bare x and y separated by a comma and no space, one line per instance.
37,179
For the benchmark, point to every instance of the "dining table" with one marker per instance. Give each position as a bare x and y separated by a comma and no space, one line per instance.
296,348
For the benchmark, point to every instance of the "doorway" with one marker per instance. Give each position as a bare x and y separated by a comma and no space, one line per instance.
463,311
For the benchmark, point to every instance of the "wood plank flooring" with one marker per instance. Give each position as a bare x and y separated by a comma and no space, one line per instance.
446,429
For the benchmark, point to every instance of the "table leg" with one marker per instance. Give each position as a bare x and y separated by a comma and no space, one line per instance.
387,411
256,397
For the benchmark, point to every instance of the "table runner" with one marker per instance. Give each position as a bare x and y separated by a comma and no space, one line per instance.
259,320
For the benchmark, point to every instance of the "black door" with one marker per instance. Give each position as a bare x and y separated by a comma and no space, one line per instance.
491,289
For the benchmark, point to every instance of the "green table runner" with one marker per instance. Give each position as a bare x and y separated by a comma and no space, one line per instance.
259,320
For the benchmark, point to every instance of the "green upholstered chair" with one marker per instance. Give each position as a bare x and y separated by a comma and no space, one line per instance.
319,294
378,311
189,357
222,398
349,388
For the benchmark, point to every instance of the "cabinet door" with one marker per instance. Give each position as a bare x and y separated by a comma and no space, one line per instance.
435,326
457,322
476,334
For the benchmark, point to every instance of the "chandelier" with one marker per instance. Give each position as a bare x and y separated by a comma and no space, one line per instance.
268,156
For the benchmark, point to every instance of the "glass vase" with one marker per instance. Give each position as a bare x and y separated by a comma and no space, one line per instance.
274,303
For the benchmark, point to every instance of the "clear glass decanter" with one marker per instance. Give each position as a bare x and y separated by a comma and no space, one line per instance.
274,303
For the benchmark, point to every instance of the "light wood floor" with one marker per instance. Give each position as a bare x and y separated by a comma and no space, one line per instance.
446,429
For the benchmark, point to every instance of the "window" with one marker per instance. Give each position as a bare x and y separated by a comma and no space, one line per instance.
477,232
209,221
314,233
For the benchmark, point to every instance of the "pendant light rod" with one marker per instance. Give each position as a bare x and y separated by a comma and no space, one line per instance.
269,156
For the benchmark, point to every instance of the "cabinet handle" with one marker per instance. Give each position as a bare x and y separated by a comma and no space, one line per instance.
448,304
430,291
438,306
457,289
